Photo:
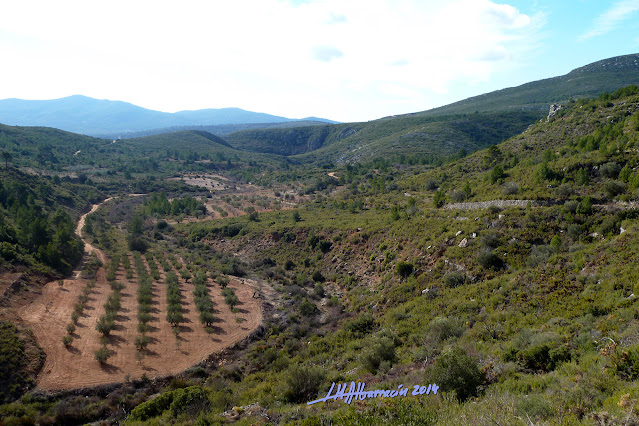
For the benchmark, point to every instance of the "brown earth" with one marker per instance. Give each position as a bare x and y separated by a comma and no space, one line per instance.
66,368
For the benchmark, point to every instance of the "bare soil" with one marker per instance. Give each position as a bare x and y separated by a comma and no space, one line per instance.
74,367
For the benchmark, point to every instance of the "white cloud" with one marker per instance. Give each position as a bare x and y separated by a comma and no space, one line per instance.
326,53
610,19
344,60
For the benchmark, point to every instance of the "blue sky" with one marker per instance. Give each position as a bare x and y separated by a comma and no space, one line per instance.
348,60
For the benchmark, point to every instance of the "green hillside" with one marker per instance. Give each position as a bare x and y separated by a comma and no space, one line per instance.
588,81
37,223
507,277
471,124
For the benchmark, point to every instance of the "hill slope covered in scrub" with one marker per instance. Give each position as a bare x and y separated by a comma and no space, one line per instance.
471,124
506,277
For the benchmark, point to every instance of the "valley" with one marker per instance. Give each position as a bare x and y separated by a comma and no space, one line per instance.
189,278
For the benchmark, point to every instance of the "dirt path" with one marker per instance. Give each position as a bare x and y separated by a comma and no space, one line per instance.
74,367
88,247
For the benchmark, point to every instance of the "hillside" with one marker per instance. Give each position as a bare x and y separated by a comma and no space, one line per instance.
81,114
470,124
114,166
588,81
219,129
505,279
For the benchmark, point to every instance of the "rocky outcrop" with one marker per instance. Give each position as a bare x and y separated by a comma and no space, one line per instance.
553,110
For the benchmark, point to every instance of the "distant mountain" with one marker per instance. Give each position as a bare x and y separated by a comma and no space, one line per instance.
470,124
81,114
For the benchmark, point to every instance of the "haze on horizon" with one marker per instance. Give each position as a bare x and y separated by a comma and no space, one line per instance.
346,61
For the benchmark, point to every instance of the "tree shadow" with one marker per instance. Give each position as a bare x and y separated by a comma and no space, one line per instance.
218,330
152,329
122,318
110,368
73,350
116,340
185,329
149,352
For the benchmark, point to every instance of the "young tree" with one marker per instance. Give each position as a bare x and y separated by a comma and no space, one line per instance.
102,354
6,155
439,199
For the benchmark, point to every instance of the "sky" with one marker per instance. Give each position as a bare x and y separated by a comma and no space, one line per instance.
346,60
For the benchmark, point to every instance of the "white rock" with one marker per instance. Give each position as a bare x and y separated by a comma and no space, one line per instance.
463,243
622,231
425,291
458,232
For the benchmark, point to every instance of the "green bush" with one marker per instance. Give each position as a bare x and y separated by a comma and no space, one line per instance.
454,279
614,188
308,309
585,207
610,170
455,370
439,199
361,325
490,260
102,354
381,352
404,269
303,383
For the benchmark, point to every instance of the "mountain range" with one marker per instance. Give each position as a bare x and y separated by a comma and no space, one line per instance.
95,117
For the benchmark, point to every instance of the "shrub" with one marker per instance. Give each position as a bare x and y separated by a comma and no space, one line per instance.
610,170
442,328
585,207
404,269
362,324
138,244
142,341
564,190
102,354
70,328
302,384
538,256
454,279
223,281
439,199
497,174
381,351
510,188
325,246
614,188
318,277
308,308
490,260
571,206
67,340
455,371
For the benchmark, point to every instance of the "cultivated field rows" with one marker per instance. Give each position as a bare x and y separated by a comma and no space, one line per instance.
75,366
